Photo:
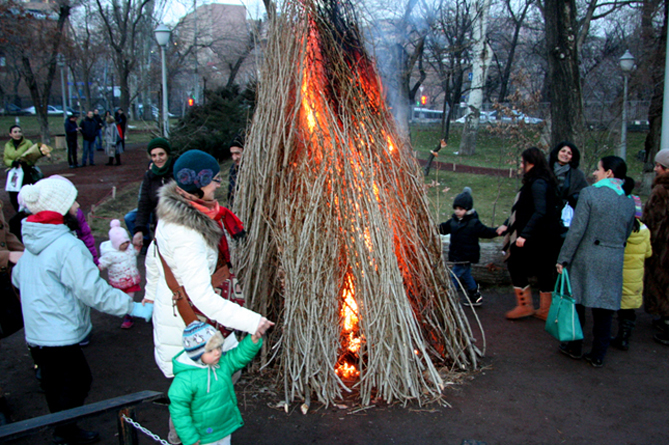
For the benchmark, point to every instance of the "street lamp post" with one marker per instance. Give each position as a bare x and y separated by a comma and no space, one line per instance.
162,34
627,66
61,64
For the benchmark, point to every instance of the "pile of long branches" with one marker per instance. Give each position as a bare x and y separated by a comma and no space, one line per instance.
333,202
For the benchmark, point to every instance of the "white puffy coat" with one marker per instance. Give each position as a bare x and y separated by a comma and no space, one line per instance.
188,241
122,265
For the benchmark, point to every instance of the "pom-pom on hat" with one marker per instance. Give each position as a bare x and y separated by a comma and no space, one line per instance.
464,199
49,194
159,143
195,169
199,338
662,157
117,234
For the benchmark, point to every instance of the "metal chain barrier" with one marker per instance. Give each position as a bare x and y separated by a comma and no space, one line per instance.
144,430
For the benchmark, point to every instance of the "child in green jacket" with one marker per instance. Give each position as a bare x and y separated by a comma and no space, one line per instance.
203,405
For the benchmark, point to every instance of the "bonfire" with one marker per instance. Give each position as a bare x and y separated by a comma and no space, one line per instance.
341,250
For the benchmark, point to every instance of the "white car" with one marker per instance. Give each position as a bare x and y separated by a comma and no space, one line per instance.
484,117
50,109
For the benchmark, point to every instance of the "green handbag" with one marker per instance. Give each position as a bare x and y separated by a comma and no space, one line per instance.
562,322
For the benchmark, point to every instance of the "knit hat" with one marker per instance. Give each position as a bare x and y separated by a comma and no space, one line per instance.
238,141
464,199
662,157
637,206
199,338
195,169
50,194
117,234
159,143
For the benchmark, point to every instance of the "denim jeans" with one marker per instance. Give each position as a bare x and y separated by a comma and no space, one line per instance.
89,152
130,219
463,272
98,141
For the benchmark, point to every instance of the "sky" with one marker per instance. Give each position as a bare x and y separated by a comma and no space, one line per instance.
179,8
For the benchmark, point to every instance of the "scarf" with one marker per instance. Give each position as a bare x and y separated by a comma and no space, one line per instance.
561,173
17,143
162,171
46,217
511,234
614,184
224,217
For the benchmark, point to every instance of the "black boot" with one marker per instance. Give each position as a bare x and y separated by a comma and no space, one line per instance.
111,161
118,159
474,296
622,340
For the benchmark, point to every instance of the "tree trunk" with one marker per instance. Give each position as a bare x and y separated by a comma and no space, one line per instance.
564,79
480,64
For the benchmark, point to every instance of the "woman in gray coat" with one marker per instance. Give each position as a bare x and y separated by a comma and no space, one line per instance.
594,253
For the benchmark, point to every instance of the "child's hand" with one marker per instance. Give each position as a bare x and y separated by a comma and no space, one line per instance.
501,229
255,338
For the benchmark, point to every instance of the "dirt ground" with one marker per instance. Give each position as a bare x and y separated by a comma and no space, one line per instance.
526,392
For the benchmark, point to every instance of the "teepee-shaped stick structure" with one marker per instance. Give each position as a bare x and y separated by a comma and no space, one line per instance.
341,250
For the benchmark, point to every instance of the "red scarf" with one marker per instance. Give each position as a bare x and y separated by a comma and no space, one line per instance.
46,217
223,216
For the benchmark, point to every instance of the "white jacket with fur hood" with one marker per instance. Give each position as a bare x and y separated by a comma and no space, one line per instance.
188,241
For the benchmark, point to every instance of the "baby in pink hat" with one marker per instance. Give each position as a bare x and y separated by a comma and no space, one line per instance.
120,257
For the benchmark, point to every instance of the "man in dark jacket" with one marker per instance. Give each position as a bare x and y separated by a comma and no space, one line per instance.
465,229
89,130
71,134
98,138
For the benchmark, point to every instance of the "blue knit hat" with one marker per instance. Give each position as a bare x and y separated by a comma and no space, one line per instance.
199,338
195,169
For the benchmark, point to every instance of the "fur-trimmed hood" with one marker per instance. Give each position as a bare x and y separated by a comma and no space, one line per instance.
175,209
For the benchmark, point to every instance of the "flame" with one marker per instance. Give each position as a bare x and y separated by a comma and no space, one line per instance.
351,339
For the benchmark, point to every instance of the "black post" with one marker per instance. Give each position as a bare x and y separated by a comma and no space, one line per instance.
127,434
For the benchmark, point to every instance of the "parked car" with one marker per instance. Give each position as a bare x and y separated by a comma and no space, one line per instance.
517,116
13,110
70,110
50,109
484,117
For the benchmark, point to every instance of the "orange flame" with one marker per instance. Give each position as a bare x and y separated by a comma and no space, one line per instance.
351,339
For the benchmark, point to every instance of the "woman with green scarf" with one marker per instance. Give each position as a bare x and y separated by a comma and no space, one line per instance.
594,253
158,174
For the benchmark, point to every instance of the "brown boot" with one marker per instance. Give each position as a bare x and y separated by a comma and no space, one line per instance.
545,300
525,307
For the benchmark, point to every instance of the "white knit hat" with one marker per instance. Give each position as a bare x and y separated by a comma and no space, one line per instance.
50,194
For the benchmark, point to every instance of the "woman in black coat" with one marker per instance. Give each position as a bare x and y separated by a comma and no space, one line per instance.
563,161
532,235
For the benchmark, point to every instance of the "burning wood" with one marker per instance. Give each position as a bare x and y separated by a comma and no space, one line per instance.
341,249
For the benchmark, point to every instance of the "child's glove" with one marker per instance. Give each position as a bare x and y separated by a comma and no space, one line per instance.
144,311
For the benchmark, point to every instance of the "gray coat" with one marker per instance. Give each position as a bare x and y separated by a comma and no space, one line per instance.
595,246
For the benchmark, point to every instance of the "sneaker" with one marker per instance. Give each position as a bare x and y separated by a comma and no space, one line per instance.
571,351
475,301
661,325
127,322
662,337
86,341
595,362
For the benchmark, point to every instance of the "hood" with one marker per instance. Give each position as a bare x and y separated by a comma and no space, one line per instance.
175,209
106,247
38,236
182,363
637,237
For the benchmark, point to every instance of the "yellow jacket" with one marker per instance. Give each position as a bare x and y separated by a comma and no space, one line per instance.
637,250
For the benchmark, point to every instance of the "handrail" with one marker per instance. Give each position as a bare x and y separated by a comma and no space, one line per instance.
36,424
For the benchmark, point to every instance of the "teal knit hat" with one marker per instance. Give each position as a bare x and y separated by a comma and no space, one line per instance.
195,169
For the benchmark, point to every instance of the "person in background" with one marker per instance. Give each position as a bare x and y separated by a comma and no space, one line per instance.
594,253
204,409
158,174
120,257
59,284
98,138
564,160
638,248
532,236
465,229
656,276
122,124
89,131
236,151
112,141
18,154
71,134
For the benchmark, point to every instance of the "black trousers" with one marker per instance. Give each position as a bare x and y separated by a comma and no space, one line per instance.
601,329
72,152
537,261
66,378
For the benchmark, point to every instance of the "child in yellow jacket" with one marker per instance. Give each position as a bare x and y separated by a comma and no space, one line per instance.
637,250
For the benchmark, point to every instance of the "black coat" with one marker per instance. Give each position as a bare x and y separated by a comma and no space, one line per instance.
465,234
89,128
148,197
71,129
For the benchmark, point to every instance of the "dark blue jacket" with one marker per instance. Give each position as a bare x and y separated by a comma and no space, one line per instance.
465,234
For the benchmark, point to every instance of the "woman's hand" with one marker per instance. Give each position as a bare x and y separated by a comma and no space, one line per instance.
520,241
14,257
263,326
501,229
559,268
138,240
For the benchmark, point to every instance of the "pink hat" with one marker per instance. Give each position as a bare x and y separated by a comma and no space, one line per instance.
117,234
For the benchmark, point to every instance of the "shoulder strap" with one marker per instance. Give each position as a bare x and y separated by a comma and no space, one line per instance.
180,299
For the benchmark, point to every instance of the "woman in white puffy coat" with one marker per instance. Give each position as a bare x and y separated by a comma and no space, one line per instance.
189,235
